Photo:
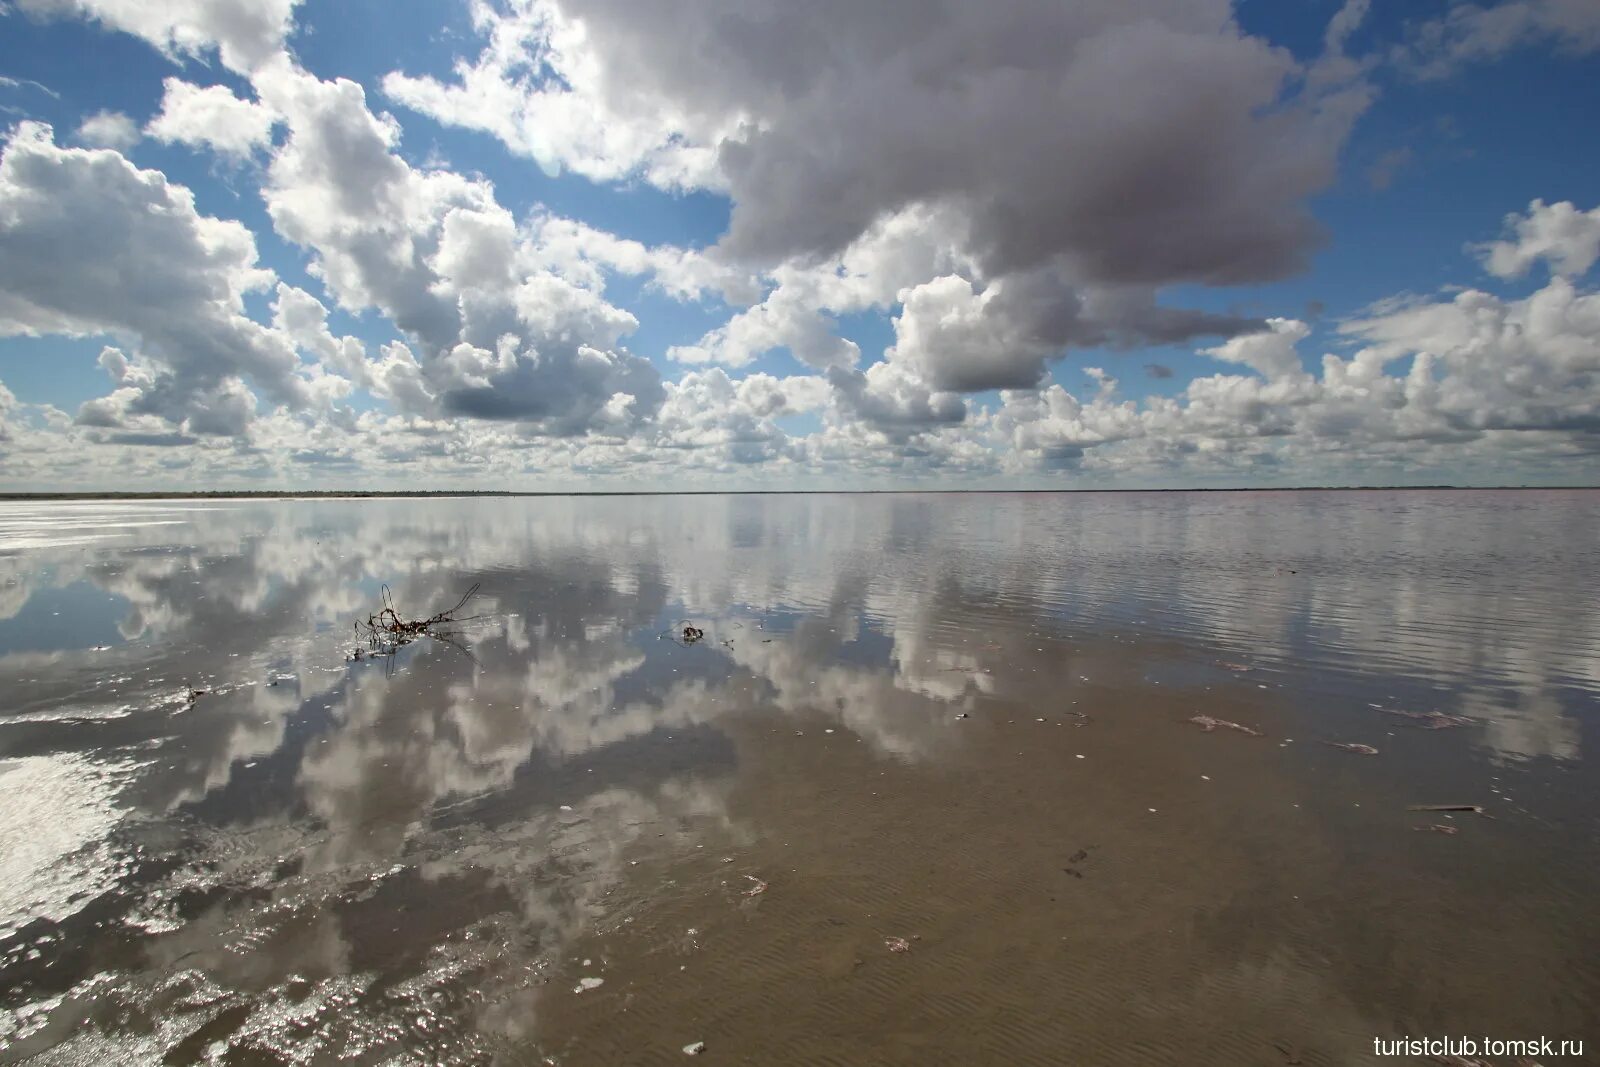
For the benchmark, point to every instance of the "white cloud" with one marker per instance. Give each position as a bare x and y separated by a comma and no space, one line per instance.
108,129
244,32
495,337
1566,238
1487,376
301,318
1271,354
783,320
960,334
584,254
732,420
573,127
893,401
1486,363
90,244
1004,186
956,338
211,117
896,253
880,148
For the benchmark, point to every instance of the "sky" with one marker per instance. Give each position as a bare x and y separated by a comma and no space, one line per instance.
567,245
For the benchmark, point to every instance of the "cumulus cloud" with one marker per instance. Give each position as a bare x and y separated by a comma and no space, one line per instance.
796,311
496,335
955,331
302,318
91,244
1144,142
244,33
211,117
1000,186
949,157
784,320
1486,363
958,339
1484,372
1567,239
1271,353
108,129
893,401
507,93
732,420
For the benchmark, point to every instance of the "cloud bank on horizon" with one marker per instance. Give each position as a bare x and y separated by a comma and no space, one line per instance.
940,233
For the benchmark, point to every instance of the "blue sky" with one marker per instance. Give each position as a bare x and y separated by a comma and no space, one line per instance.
688,225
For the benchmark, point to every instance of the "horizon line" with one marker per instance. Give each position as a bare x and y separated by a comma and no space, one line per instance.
376,494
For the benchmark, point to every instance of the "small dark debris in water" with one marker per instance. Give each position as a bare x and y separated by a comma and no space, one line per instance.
1289,1057
963,715
1076,858
687,633
1476,809
766,640
1208,724
897,944
195,694
1364,750
1437,828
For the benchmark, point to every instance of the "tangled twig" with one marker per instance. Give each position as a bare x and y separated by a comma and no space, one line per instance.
386,629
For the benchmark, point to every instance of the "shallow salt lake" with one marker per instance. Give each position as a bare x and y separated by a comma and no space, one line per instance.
927,791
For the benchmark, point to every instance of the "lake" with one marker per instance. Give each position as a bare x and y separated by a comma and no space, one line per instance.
1028,779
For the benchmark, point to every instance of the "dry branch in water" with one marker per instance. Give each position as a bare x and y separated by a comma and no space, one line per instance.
387,629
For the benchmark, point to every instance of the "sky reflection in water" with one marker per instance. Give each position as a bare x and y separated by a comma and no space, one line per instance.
321,856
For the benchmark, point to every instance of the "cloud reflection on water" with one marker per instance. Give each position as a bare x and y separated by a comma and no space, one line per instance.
504,787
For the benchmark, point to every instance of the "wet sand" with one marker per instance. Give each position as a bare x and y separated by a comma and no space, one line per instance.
423,858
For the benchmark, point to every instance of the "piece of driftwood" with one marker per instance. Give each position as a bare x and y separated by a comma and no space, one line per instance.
1208,724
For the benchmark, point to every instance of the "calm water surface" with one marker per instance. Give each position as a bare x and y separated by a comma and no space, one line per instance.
926,792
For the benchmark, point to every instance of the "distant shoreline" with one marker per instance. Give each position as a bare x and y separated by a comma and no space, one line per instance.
400,494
